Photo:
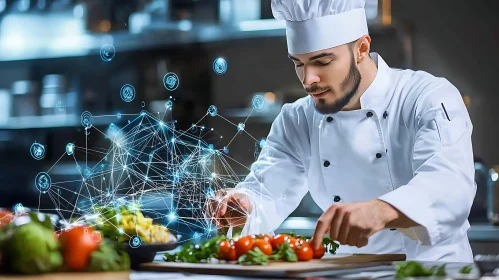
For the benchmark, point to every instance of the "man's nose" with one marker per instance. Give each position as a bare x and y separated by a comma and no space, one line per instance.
310,77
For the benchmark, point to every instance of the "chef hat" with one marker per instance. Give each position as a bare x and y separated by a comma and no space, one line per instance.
313,25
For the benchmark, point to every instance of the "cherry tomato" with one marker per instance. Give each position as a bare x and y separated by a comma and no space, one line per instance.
266,237
293,242
304,252
224,249
5,217
278,240
319,253
77,245
243,245
231,254
264,246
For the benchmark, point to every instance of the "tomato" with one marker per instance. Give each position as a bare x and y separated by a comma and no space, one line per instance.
278,239
5,217
266,237
304,252
293,242
77,245
264,246
319,252
231,254
243,245
224,249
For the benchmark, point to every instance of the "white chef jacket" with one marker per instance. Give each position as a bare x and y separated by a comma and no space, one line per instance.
409,145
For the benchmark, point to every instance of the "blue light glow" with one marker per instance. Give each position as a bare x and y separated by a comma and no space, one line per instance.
220,66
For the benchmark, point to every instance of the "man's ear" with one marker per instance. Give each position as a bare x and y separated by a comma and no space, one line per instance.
364,46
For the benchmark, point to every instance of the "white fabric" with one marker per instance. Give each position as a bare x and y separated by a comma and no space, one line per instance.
426,169
313,25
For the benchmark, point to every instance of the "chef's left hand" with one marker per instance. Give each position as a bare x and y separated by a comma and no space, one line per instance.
353,223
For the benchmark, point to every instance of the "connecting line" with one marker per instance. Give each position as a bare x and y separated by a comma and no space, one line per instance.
114,115
251,136
232,139
248,116
56,162
228,120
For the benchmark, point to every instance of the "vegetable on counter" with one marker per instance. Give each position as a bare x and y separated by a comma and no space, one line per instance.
78,243
109,257
251,249
416,269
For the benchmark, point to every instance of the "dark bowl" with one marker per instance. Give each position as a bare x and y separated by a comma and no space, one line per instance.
487,264
146,252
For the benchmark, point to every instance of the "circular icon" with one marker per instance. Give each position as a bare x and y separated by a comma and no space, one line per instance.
220,66
127,93
19,209
212,110
171,81
135,241
263,142
241,126
107,52
43,182
70,148
258,103
37,151
143,104
194,128
86,119
169,105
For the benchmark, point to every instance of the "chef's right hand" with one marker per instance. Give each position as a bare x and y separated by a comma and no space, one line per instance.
228,208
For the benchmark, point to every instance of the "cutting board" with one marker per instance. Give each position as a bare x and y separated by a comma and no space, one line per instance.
72,276
277,269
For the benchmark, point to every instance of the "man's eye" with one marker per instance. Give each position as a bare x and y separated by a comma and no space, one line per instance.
298,65
320,63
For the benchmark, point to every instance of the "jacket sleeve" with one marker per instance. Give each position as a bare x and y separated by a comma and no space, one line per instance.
277,181
441,192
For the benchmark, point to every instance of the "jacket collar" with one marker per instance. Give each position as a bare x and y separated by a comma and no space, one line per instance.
380,85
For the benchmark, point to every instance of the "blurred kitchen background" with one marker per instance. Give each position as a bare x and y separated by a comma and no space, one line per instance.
51,71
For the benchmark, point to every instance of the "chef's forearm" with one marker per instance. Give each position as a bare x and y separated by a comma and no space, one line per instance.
392,217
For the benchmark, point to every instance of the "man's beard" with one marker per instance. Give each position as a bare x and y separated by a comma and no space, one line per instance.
350,86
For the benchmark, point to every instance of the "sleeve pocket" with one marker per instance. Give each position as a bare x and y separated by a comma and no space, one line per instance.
451,131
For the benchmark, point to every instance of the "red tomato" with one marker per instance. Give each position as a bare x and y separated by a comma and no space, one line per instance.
304,252
266,237
5,217
77,244
231,255
243,245
264,246
319,253
278,239
293,242
224,249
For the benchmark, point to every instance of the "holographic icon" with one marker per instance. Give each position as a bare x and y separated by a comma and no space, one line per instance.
220,66
86,119
107,52
118,115
43,182
212,110
143,104
169,105
263,142
127,93
171,81
70,149
37,151
135,241
194,128
19,209
241,126
258,103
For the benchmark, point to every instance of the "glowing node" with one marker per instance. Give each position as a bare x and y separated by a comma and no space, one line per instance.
70,148
172,216
107,52
173,140
37,151
220,66
86,120
127,93
169,105
135,241
19,209
241,126
226,150
213,175
263,142
258,103
212,110
143,104
87,172
171,81
143,113
43,182
118,115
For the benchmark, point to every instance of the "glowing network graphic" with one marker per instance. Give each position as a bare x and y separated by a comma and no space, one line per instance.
171,81
107,52
37,151
150,165
127,93
19,209
258,103
220,66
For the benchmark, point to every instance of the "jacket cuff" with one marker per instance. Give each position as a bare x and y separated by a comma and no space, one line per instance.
415,204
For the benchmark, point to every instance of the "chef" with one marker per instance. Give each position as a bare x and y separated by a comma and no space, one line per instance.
386,153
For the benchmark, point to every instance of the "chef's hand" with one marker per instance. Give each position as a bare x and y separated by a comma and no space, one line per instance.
228,207
353,223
